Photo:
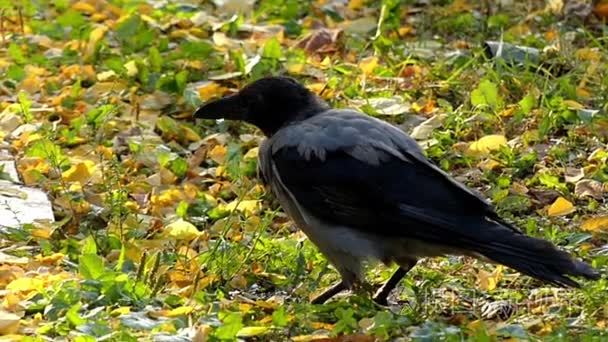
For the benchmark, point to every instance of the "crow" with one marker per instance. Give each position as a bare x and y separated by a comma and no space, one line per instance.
361,189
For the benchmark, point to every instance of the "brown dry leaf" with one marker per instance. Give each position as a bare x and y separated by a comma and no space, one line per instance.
9,323
321,41
601,9
574,174
590,188
561,207
594,224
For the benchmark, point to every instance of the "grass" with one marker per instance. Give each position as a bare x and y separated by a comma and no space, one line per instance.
163,230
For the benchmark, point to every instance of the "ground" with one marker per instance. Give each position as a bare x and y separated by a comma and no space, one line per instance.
161,229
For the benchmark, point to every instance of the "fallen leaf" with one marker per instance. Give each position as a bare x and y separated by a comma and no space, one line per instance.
9,323
182,230
590,188
488,280
487,144
601,9
386,105
574,174
94,37
320,41
368,64
79,172
425,129
561,207
131,68
595,224
210,90
180,311
12,260
218,154
247,207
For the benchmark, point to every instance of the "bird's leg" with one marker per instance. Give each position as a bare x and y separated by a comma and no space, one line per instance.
330,292
382,294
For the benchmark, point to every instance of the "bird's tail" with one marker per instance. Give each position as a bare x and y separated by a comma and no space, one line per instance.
535,257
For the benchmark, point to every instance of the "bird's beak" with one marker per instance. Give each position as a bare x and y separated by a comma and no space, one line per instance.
229,108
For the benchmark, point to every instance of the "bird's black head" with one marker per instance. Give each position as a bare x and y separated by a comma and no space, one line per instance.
268,103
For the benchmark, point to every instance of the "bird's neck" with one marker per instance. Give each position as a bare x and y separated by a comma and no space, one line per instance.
315,107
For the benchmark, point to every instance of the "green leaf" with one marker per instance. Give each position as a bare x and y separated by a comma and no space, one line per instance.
179,167
73,315
128,27
89,246
155,59
99,115
196,50
486,94
232,323
15,72
14,51
279,317
272,49
25,104
527,103
72,19
346,322
91,266
46,149
181,80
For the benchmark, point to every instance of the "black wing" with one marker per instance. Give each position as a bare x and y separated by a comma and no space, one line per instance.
395,198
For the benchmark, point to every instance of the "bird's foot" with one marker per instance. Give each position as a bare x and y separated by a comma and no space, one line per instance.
329,293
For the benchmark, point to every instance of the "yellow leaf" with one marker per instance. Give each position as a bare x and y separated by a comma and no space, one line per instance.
561,207
355,4
132,69
367,65
42,233
252,154
218,154
252,331
588,54
487,144
25,285
182,230
595,224
210,90
84,7
80,172
94,37
9,323
238,282
571,104
123,310
52,259
488,164
295,68
181,311
247,207
488,281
